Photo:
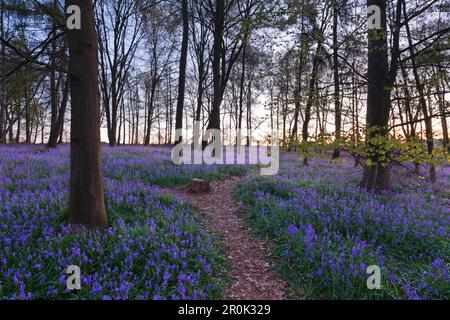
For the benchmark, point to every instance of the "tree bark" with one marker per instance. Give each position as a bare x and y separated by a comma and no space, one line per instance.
219,16
2,92
150,119
183,64
381,79
53,139
58,123
241,93
311,95
443,110
87,204
337,100
422,101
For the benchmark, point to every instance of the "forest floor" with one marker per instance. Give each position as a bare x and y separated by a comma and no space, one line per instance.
307,233
249,257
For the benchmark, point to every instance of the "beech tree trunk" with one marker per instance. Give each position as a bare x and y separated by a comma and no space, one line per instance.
87,205
376,176
381,79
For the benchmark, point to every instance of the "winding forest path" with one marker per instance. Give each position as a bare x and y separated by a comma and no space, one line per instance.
249,258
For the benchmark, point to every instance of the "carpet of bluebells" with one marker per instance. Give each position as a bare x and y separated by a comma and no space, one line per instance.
156,248
326,231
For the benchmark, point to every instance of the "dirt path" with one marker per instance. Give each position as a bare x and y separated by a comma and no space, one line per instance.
253,276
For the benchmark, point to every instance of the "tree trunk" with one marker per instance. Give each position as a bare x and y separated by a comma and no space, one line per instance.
200,87
240,112
27,116
298,87
183,64
150,112
443,110
297,97
422,101
219,16
53,138
136,139
311,96
57,125
62,110
376,96
2,92
19,120
337,100
87,204
381,79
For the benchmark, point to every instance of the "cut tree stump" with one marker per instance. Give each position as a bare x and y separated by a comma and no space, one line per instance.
198,186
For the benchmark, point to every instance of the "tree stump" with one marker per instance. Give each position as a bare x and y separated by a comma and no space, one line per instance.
198,186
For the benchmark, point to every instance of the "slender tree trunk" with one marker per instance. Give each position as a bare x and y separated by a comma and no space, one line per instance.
171,111
422,100
297,97
10,126
241,93
200,88
355,116
443,110
337,99
87,204
2,118
411,127
272,102
53,138
311,96
219,16
62,110
58,123
42,133
117,142
138,102
19,124
112,131
298,86
27,115
146,101
183,64
124,124
150,112
249,114
2,92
